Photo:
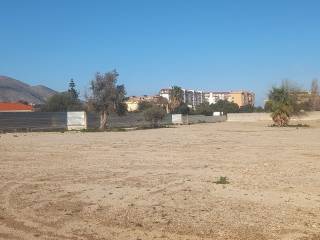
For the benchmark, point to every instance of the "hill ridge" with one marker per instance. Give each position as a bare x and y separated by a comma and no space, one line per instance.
13,90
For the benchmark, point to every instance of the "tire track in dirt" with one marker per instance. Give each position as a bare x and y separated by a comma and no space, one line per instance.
14,218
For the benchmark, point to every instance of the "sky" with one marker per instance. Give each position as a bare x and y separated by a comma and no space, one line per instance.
153,44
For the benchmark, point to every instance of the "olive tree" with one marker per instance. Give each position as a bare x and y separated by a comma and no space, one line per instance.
106,96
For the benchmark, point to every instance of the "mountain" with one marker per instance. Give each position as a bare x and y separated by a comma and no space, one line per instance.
43,91
12,90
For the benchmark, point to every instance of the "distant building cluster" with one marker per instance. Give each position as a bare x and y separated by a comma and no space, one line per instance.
193,98
133,102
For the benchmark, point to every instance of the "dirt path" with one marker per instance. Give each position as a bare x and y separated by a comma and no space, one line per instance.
159,184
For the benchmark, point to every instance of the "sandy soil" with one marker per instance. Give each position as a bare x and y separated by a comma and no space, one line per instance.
159,184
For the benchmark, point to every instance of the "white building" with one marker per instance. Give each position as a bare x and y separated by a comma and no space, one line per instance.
165,93
214,97
190,97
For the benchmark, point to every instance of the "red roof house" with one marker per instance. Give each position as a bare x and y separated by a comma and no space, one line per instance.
15,107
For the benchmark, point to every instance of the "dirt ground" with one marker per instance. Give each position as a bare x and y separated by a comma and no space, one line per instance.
160,184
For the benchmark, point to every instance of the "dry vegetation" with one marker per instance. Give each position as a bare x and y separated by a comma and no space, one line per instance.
160,184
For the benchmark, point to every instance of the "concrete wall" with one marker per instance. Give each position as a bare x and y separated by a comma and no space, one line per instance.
76,120
309,116
191,119
248,117
256,117
126,121
80,120
36,121
12,121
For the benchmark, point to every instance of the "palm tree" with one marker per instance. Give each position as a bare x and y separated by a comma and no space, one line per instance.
176,98
283,104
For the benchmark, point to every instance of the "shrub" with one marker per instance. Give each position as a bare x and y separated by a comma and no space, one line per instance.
284,103
204,109
62,102
222,180
154,115
182,109
144,105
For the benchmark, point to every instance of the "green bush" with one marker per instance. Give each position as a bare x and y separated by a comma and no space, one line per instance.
144,105
154,115
222,180
62,102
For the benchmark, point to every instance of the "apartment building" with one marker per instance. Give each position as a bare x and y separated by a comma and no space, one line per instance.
242,98
214,97
190,97
193,98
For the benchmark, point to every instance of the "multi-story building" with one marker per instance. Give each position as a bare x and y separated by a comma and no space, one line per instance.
193,98
190,97
214,97
165,93
242,98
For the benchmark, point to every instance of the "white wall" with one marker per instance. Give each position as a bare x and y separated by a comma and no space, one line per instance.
255,117
76,120
248,117
186,119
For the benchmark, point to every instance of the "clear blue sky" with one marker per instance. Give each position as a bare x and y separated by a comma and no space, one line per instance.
201,44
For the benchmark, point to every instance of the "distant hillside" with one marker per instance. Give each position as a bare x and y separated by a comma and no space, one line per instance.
12,90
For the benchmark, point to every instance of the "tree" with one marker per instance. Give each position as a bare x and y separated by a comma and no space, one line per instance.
176,98
72,89
62,102
154,115
182,109
247,109
106,96
144,105
204,109
284,103
163,102
120,105
225,107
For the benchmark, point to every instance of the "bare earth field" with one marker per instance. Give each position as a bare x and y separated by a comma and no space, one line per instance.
159,184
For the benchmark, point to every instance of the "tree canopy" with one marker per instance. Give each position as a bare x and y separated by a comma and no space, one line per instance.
106,96
64,101
176,98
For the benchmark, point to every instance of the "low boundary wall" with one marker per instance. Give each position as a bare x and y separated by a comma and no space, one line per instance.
248,117
11,121
28,121
37,121
256,117
191,119
127,121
